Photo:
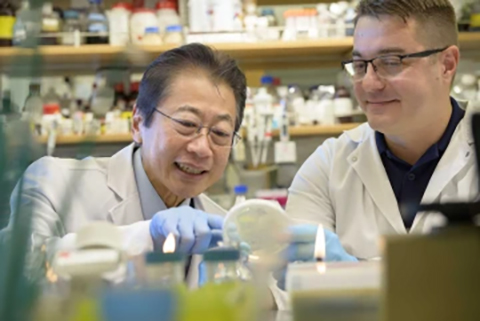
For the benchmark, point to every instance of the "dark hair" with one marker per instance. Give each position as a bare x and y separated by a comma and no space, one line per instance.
217,65
438,24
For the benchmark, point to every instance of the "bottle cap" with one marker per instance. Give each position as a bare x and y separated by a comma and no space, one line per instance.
174,28
151,30
240,189
159,257
266,80
221,254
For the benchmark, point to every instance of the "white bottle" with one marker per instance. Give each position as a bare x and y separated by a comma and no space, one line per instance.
167,15
263,101
119,24
199,17
223,15
141,19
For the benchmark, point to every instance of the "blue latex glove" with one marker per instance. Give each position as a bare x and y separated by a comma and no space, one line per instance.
302,247
195,231
202,274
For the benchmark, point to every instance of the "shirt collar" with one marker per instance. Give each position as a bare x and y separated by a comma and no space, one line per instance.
150,201
457,115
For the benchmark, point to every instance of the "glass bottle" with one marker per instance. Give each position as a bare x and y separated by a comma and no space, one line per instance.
51,24
34,107
7,21
164,270
97,23
71,28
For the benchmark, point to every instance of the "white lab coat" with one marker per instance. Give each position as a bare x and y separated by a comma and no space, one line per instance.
344,186
102,189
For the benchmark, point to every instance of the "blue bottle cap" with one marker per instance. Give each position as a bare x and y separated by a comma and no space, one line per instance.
174,28
266,80
96,1
240,189
151,30
268,12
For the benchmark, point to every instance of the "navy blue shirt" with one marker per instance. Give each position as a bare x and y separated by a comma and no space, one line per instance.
409,182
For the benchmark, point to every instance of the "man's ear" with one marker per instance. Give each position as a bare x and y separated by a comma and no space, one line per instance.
137,122
450,59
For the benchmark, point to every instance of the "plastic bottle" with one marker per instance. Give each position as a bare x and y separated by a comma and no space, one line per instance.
167,15
199,17
51,24
34,107
119,24
97,23
7,21
142,18
240,193
295,104
152,37
174,34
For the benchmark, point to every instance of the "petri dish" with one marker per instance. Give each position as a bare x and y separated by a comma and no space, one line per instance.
260,225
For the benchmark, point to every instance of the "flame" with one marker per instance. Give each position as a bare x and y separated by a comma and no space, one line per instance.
320,247
321,267
169,245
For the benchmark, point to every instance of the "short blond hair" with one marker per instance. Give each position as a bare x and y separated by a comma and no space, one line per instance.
436,18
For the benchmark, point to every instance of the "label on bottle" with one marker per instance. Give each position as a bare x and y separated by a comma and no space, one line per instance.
96,17
50,25
6,27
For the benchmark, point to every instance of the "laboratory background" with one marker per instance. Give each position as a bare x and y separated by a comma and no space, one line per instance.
77,88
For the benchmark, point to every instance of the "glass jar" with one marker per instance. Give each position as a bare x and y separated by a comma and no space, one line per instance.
222,265
163,269
152,37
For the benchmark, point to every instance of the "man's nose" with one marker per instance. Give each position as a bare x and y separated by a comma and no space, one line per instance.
371,82
201,144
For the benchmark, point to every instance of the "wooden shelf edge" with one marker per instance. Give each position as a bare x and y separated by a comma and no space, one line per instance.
78,139
297,131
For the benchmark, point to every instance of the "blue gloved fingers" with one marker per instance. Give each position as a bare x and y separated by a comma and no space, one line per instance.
334,249
187,235
202,274
232,233
217,236
156,232
203,235
299,252
245,249
215,222
304,233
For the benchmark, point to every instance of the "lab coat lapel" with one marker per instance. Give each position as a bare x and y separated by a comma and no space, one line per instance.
121,179
366,162
455,158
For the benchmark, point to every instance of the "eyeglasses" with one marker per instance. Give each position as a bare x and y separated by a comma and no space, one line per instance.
385,66
189,128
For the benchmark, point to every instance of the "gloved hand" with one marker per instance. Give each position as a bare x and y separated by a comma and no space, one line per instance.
195,231
302,247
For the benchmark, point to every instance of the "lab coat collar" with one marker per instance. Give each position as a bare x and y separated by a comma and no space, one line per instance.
366,162
121,180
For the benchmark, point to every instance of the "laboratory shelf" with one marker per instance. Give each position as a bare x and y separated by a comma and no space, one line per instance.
296,131
78,139
251,56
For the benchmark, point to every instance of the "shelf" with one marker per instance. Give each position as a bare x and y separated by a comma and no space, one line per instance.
251,56
291,2
297,131
318,130
78,139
